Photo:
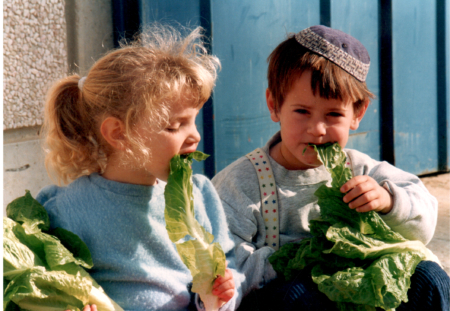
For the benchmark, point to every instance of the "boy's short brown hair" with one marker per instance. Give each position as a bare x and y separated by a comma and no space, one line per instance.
290,59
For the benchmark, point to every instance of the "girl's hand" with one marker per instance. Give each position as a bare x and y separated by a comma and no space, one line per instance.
365,194
89,308
223,287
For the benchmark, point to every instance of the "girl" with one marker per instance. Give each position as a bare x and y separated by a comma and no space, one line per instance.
113,133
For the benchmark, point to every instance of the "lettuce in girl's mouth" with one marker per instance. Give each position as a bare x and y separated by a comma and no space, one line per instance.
204,259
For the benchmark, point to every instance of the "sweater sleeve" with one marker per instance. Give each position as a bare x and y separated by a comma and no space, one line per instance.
414,213
238,189
47,196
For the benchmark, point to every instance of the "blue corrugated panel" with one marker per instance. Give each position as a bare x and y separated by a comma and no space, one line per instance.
244,34
360,19
415,85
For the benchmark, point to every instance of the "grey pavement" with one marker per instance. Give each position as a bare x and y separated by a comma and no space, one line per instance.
439,186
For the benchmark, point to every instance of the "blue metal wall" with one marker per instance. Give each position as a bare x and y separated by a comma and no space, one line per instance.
407,124
414,54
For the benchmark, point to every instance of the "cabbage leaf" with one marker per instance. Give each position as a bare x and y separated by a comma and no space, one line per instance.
205,259
43,268
355,258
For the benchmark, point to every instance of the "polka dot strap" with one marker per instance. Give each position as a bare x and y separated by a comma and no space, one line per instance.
269,199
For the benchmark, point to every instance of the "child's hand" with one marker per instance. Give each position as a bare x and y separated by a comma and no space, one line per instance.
365,194
223,287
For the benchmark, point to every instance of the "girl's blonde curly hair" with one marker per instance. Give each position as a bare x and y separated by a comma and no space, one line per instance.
134,83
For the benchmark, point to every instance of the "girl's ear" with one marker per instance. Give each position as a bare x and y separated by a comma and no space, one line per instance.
271,105
359,115
112,130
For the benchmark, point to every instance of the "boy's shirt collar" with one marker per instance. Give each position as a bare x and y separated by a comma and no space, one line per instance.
287,177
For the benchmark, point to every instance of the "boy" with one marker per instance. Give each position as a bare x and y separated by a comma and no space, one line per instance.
317,92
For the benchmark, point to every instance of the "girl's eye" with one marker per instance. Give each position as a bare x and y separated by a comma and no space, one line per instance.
172,130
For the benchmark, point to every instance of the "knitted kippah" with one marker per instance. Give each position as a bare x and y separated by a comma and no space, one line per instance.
338,47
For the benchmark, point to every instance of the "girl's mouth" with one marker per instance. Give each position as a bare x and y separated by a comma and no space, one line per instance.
186,152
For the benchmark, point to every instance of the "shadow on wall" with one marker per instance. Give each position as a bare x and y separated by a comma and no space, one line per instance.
23,164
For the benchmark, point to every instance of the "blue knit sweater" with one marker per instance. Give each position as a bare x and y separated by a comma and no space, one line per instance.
124,228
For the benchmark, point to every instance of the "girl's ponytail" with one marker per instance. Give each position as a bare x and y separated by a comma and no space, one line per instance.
71,141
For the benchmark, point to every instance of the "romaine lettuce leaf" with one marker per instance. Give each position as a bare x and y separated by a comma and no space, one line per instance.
384,283
205,259
29,213
357,260
39,271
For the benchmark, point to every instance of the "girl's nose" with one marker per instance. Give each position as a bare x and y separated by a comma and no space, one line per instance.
194,135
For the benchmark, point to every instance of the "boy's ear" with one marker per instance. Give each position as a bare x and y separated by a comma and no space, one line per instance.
359,115
112,130
271,105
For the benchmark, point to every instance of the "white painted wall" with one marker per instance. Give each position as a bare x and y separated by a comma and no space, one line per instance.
23,164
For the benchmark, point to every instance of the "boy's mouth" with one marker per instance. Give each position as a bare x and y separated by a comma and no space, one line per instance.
319,145
311,146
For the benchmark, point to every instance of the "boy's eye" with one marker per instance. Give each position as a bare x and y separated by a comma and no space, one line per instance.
335,114
301,111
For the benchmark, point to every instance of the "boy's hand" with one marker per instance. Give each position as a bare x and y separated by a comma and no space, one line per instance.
365,194
223,287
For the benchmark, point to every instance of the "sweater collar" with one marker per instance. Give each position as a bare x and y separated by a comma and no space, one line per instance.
294,177
125,188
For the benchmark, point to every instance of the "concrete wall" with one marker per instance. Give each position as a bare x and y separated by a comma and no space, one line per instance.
35,53
44,40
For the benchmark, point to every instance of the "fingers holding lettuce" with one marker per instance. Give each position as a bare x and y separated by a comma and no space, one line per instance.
224,287
364,194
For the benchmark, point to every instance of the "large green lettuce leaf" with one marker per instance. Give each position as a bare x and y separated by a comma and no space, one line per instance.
42,268
205,259
29,213
356,259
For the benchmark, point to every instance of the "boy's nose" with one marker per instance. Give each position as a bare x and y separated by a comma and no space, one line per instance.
317,128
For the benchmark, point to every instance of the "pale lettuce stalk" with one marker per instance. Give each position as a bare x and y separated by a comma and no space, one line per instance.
204,259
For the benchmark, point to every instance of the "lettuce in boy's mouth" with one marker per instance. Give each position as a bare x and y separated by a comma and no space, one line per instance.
356,259
316,147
